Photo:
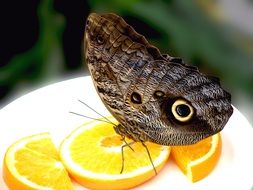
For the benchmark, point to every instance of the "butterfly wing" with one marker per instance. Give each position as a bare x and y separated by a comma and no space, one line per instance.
178,104
155,97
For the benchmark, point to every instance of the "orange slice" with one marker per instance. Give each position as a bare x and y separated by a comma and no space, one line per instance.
33,163
198,160
92,155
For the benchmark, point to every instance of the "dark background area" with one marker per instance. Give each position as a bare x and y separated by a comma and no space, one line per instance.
42,41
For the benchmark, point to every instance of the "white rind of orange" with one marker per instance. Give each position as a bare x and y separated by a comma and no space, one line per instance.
212,154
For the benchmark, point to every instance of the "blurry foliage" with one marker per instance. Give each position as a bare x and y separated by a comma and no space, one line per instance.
177,27
44,59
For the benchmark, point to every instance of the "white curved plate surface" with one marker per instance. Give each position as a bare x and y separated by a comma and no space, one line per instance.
47,109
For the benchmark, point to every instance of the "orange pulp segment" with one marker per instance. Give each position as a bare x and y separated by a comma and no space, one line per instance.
198,160
33,163
92,155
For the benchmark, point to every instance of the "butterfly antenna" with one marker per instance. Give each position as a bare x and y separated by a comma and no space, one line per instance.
91,117
108,121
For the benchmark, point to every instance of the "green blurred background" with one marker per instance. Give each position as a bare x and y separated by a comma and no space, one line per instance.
41,40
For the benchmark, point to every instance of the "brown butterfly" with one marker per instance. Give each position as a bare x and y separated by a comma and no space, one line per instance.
154,97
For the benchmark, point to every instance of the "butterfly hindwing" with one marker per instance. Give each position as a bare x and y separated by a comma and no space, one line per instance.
154,97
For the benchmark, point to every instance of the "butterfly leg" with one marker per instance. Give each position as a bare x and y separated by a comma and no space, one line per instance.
126,143
149,156
122,153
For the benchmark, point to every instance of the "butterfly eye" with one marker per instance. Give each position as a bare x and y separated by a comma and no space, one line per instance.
100,39
136,98
182,110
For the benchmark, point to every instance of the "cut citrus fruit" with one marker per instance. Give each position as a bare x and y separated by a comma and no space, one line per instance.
198,160
92,155
33,163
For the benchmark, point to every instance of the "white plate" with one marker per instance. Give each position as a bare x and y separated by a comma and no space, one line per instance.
47,109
